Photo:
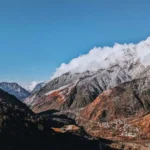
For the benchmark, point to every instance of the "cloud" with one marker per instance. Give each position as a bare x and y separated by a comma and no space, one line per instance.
103,57
32,85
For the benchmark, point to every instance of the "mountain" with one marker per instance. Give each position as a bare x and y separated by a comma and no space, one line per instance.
14,89
112,102
76,90
22,129
109,106
120,112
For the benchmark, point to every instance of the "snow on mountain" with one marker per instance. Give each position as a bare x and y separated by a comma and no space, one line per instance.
76,90
14,89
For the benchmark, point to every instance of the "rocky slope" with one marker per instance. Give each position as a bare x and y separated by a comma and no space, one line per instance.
14,89
120,112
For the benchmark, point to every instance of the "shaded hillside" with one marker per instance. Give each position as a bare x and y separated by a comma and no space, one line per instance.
6,98
22,129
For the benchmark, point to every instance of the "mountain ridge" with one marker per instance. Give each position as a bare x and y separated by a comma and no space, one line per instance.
14,89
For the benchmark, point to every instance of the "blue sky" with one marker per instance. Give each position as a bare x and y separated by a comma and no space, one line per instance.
36,36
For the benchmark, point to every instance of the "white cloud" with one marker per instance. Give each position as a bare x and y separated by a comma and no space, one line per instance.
32,85
102,57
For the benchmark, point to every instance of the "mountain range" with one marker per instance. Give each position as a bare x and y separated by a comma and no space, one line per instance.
76,90
109,106
110,102
18,91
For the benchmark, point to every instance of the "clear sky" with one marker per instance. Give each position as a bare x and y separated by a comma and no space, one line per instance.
36,36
